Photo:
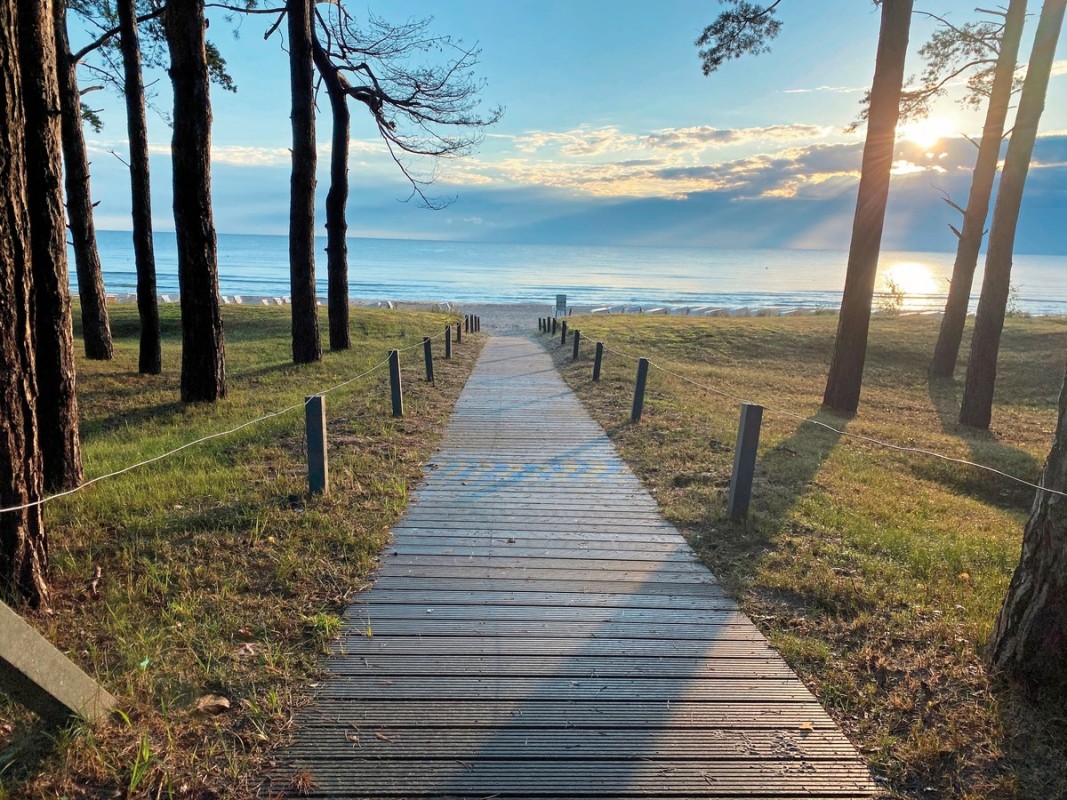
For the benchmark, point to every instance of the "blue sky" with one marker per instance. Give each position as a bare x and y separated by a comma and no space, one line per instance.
612,135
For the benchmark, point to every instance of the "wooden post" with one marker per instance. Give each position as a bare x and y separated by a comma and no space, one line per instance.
467,323
597,359
639,390
540,324
478,321
577,338
37,675
563,336
448,341
745,460
459,333
555,325
394,381
428,354
315,429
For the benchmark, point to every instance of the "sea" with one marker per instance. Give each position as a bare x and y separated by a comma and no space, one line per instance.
593,275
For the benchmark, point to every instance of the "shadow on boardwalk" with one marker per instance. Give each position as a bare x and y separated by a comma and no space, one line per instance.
537,630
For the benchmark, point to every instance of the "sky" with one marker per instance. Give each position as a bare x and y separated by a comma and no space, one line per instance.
610,134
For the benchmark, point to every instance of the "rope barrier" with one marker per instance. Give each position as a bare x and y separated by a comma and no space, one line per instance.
842,432
201,440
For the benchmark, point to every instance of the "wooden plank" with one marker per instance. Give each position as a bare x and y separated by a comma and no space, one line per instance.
420,611
503,599
34,673
678,744
385,665
593,778
359,646
505,713
602,690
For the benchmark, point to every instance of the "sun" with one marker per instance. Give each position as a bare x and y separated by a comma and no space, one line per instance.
927,132
913,280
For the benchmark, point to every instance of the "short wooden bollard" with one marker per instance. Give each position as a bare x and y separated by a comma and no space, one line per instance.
555,324
563,335
394,382
639,390
37,675
598,358
540,324
448,341
574,351
467,324
459,333
427,353
745,460
315,431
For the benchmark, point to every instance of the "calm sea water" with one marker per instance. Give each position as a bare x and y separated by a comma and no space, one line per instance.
390,269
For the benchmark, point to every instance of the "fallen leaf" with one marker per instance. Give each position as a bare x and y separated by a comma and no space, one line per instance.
382,736
245,650
807,726
212,704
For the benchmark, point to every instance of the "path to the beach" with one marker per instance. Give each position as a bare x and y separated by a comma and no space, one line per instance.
538,630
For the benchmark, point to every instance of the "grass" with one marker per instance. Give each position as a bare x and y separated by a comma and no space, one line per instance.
877,574
202,589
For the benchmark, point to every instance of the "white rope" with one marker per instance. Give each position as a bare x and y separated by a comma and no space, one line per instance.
861,437
187,445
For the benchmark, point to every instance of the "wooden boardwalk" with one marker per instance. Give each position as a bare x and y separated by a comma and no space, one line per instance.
538,630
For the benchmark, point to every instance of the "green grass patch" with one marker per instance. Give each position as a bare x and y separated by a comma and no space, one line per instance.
212,572
877,574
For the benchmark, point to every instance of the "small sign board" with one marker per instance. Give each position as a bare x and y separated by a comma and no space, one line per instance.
561,305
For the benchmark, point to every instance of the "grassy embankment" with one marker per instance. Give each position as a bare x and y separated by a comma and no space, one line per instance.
877,574
212,572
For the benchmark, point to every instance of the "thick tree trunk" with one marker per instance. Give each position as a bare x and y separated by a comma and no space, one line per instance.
850,348
1030,637
149,360
336,203
203,351
306,344
977,406
23,544
947,349
96,328
57,402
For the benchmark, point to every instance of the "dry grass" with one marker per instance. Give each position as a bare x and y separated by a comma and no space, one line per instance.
218,575
876,574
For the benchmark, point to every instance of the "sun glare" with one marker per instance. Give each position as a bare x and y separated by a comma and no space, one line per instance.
913,280
927,132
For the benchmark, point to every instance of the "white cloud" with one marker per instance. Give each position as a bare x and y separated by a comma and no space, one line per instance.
578,142
827,90
705,136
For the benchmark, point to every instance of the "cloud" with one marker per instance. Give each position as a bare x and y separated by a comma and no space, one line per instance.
705,136
578,142
827,90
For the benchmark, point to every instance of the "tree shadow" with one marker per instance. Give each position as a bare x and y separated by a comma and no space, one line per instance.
984,448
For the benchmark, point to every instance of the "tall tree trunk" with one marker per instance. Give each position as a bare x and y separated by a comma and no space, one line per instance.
306,344
850,348
96,328
336,202
985,169
149,359
203,351
1030,637
57,402
23,544
977,406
